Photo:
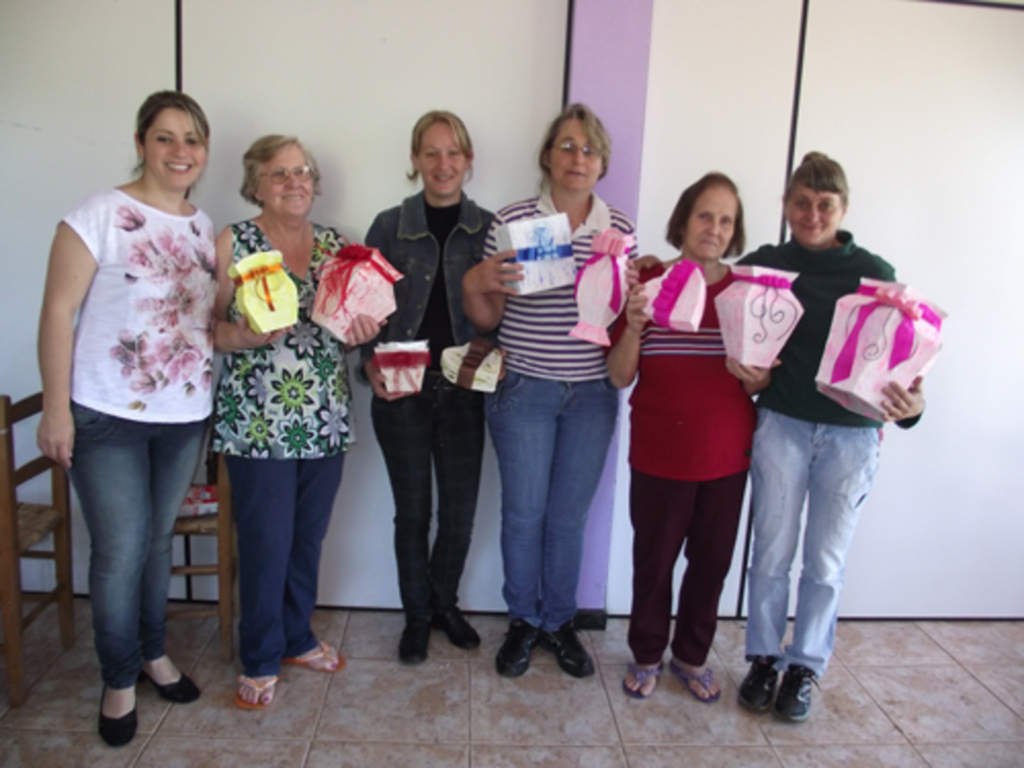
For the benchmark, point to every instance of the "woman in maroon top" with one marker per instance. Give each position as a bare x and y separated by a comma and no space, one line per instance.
692,424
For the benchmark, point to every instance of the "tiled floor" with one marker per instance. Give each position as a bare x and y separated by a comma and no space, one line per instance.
940,694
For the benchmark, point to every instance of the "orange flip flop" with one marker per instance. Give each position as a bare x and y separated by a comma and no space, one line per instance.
261,689
322,650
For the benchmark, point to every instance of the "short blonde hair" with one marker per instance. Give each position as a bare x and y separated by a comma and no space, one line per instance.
459,131
262,152
592,126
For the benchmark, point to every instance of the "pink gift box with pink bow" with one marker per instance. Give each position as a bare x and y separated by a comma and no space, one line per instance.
354,281
757,314
601,286
886,332
676,299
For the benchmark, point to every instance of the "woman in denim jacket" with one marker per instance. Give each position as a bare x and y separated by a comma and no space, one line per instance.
432,238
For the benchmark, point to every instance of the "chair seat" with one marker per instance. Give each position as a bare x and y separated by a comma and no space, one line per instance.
35,523
199,525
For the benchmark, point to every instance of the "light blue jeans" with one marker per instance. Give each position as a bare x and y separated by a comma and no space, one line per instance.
551,438
130,477
832,468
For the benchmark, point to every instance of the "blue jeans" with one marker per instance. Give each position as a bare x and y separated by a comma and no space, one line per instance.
833,469
131,478
443,425
551,438
282,510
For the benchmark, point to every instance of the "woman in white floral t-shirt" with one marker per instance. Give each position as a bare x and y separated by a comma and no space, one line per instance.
126,391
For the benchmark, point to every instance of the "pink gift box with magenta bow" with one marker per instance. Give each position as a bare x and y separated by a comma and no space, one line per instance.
886,332
757,314
676,299
601,286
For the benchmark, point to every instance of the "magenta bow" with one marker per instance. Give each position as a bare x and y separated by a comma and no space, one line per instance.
673,284
613,244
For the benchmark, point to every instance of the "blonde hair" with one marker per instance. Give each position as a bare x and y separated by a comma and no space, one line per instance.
156,103
592,126
459,132
263,151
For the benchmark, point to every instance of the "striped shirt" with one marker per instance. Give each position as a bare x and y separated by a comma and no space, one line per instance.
535,329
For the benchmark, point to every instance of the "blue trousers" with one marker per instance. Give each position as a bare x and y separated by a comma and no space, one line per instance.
551,438
130,477
282,510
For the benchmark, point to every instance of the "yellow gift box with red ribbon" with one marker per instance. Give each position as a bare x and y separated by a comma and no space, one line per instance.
264,292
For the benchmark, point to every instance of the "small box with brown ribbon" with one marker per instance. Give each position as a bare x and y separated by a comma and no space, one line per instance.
264,292
476,365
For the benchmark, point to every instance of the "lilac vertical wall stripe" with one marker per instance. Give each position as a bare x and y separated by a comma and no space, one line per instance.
611,42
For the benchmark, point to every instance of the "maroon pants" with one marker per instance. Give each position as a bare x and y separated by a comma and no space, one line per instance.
665,513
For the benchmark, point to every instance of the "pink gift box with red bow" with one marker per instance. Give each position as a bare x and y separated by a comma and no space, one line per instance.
886,332
354,281
601,286
757,314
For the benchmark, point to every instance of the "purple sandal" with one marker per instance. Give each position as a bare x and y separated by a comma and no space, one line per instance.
640,675
705,678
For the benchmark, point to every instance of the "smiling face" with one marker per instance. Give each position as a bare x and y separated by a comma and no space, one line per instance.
172,153
291,198
571,169
709,230
814,217
442,164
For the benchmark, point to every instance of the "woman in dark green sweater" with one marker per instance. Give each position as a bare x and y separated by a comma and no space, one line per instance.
808,447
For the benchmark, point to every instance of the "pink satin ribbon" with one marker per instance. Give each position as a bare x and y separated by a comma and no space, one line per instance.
769,281
903,339
671,287
613,244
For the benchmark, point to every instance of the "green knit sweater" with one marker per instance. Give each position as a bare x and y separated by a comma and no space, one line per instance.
825,276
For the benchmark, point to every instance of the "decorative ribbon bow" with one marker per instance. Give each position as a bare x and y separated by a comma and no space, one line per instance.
903,339
336,272
612,244
673,284
260,273
404,363
777,282
533,253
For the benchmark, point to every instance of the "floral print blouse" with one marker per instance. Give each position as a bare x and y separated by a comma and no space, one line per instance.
289,399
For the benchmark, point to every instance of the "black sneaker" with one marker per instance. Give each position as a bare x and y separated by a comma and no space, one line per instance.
794,699
460,633
569,651
412,648
758,688
514,655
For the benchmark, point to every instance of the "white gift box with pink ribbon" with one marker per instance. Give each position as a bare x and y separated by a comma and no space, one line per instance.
757,314
403,364
676,299
886,332
543,247
354,281
601,286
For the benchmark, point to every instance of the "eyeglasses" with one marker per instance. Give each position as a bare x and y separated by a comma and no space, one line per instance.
570,147
281,175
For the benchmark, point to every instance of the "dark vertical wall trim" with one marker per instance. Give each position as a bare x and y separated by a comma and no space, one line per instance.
794,119
978,3
177,44
566,70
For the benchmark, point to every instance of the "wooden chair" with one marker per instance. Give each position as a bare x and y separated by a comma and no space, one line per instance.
221,526
23,525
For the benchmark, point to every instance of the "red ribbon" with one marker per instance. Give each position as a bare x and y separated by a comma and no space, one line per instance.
336,272
400,359
261,273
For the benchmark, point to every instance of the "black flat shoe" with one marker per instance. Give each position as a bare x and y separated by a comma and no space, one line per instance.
513,657
569,652
460,633
412,648
182,691
117,731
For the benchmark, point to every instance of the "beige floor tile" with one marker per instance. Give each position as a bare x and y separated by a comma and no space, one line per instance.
63,749
375,635
504,756
702,757
292,715
730,642
862,756
939,704
374,700
973,755
38,658
1006,682
843,713
979,642
885,643
544,707
193,752
330,754
67,698
610,645
329,625
673,716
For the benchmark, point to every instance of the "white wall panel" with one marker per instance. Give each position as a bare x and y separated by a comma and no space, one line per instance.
350,78
923,104
719,97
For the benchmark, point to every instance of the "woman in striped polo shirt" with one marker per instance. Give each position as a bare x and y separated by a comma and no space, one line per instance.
552,416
